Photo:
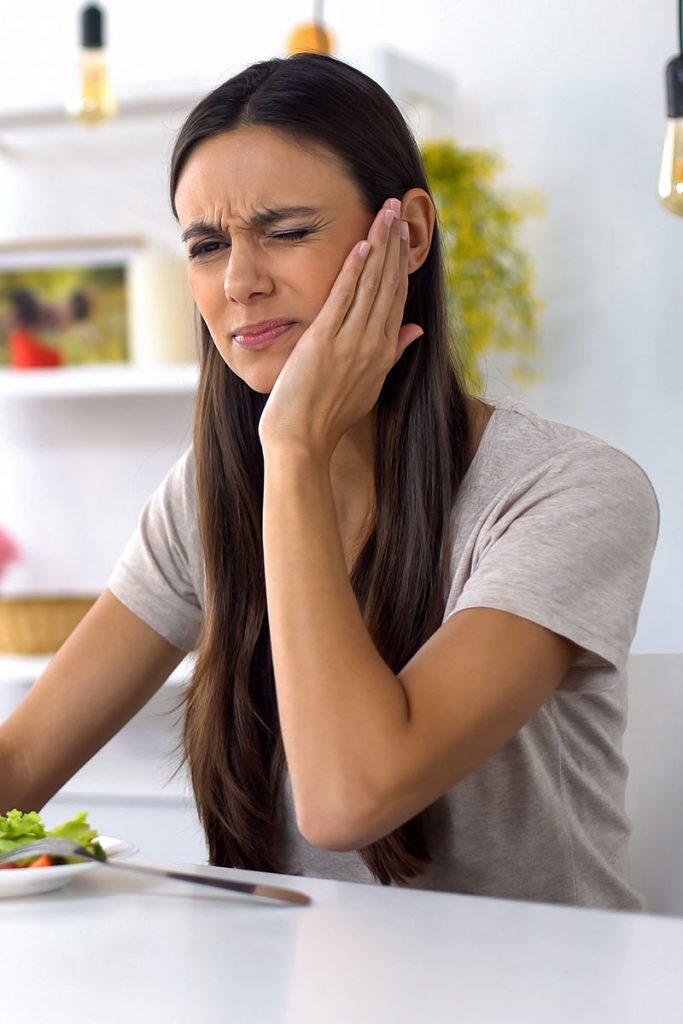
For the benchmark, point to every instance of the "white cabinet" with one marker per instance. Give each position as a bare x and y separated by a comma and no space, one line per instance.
81,449
80,454
127,787
99,381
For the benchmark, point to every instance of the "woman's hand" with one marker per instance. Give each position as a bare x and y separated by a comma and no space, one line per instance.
334,375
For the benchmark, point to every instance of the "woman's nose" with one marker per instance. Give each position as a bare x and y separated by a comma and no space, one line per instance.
246,273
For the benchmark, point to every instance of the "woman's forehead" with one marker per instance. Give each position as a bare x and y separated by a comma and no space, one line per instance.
253,169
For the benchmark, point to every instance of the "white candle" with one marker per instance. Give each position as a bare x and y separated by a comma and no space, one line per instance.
160,308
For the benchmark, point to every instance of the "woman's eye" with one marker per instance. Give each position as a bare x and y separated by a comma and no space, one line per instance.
291,236
204,249
208,248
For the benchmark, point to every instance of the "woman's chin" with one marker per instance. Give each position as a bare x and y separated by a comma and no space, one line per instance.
260,373
261,389
261,379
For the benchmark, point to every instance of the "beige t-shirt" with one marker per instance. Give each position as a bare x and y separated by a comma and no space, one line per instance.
551,524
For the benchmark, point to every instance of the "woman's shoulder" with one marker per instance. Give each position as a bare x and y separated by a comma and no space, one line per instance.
519,445
558,526
516,422
173,504
180,482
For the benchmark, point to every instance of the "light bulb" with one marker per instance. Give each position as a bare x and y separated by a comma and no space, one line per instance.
671,173
312,37
94,100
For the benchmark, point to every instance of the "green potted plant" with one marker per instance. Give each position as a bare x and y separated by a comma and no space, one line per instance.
489,276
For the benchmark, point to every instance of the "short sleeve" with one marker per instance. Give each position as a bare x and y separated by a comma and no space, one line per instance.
569,547
156,577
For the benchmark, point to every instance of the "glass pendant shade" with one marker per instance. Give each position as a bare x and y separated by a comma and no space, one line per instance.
94,98
671,172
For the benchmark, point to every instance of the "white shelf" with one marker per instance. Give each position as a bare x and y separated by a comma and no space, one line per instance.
24,670
426,93
99,381
153,100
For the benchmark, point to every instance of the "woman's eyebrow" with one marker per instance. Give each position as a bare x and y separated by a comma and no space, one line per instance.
259,220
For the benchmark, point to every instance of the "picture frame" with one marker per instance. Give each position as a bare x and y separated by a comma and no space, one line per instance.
65,302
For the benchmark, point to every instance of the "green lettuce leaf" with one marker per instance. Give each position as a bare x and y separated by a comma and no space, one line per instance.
18,829
80,831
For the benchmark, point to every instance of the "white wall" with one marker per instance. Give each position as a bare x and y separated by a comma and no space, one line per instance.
571,95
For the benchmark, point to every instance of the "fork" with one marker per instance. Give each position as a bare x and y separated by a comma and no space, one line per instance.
68,848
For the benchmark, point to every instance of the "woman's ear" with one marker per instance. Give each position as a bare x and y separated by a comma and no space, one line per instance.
417,209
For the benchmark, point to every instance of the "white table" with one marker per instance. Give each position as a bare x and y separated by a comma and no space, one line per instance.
114,949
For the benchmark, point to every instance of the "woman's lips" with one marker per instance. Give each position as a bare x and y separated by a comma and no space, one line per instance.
263,338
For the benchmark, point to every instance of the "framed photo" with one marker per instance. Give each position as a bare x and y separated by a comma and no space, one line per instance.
65,303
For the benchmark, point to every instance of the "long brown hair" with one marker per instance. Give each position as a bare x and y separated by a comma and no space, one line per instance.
232,738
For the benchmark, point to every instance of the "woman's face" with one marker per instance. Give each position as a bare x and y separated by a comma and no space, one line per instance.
267,225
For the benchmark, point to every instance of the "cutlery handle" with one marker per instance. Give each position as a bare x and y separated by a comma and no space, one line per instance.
269,892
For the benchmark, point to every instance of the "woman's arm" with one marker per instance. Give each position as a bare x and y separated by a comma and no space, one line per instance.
367,749
103,674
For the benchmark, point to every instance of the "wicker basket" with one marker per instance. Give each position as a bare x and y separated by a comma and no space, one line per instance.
39,625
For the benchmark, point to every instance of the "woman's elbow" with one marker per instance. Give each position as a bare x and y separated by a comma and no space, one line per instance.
339,831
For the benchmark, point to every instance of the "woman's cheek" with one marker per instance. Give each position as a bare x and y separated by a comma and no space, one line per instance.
207,300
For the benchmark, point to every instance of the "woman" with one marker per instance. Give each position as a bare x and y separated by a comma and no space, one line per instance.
412,610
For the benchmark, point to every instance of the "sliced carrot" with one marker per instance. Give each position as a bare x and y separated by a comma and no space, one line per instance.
41,862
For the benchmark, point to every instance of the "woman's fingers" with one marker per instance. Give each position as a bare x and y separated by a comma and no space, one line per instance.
384,327
379,280
390,307
338,303
368,296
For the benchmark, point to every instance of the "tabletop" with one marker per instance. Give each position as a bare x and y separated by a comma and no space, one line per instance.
114,947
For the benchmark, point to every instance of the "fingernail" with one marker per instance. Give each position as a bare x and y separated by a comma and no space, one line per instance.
405,231
389,216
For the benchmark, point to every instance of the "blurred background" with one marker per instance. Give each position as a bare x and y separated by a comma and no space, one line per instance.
554,113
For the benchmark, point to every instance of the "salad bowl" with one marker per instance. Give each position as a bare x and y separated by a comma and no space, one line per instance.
32,881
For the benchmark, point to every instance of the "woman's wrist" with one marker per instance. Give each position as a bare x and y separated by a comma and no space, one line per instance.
293,457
